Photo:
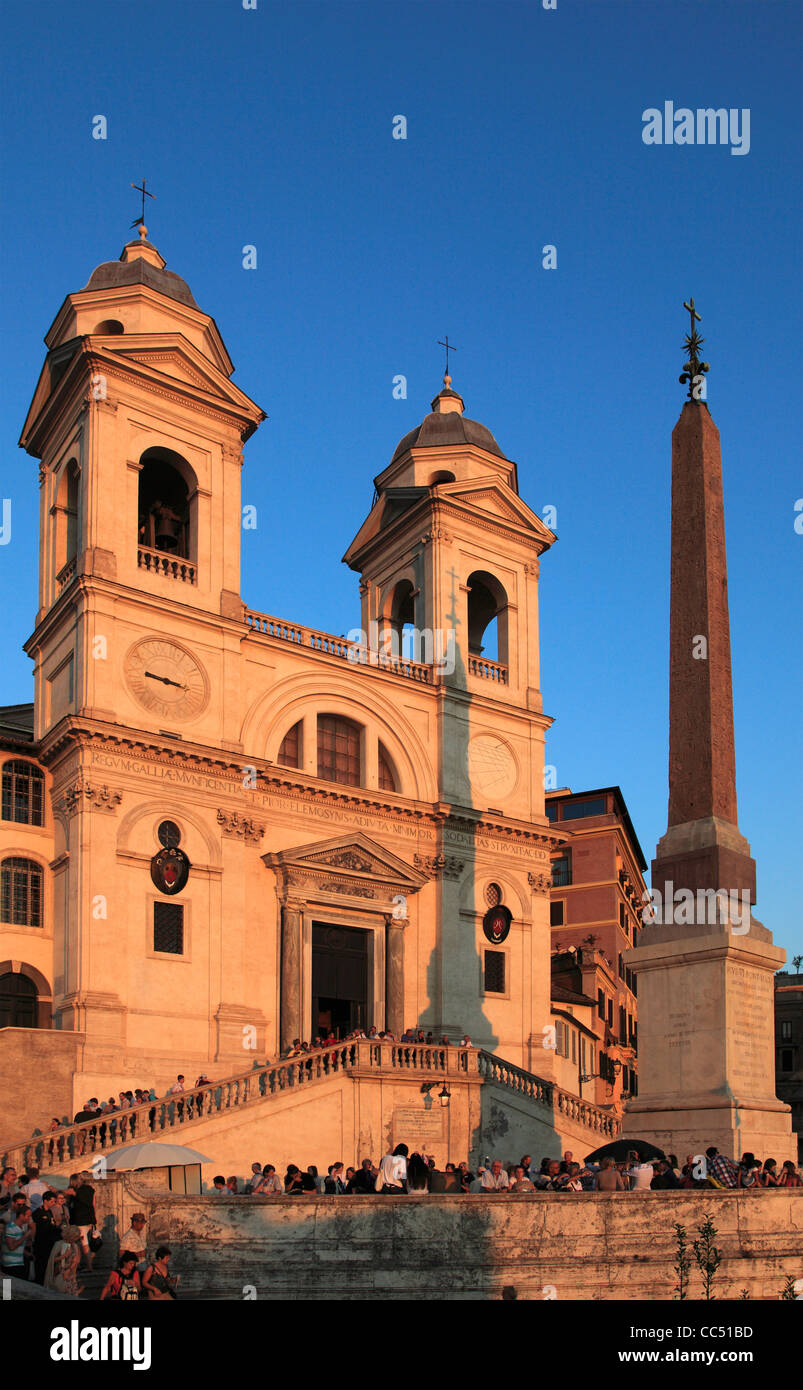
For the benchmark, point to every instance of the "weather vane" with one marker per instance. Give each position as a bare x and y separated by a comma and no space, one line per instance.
692,343
449,348
140,188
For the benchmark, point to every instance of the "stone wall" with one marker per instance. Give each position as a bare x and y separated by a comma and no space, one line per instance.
37,1066
580,1247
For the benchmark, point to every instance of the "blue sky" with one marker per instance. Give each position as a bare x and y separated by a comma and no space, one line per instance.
273,127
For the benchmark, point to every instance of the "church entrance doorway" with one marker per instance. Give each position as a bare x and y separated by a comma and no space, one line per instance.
339,980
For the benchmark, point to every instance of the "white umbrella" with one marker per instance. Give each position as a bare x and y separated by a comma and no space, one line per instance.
153,1155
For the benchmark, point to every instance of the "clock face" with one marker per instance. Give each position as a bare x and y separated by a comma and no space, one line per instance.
165,679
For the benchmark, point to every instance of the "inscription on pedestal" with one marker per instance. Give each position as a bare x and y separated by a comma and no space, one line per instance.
411,1124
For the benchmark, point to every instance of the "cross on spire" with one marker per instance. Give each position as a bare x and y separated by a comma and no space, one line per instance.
140,221
449,348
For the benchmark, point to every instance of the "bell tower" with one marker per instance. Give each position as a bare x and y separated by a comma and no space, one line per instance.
448,559
139,430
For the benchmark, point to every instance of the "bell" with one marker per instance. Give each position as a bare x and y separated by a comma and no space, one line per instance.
168,528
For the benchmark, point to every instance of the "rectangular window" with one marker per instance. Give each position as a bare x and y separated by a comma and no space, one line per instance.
623,917
601,1004
623,1026
610,1013
786,1030
168,928
574,1045
578,810
551,810
494,972
562,871
786,1060
583,1057
556,914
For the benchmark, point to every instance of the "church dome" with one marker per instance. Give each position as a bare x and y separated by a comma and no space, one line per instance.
137,267
448,425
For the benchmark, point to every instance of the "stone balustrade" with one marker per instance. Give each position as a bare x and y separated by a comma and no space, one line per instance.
358,1057
264,625
488,670
161,562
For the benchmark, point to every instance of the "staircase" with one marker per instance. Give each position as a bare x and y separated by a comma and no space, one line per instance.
179,1115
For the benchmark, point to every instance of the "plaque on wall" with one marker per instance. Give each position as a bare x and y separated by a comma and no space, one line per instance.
496,923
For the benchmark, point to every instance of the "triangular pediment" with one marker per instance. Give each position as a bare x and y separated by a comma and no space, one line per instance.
492,497
350,856
171,355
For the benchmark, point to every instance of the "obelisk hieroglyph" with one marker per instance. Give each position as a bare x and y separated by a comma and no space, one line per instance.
705,965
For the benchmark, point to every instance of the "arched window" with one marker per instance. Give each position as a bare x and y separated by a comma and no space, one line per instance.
289,754
108,326
387,776
339,750
21,893
18,1000
487,617
164,503
23,793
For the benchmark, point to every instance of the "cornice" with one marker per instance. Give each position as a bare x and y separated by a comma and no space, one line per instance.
73,732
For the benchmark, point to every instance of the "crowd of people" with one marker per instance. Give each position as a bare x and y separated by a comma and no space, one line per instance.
51,1236
402,1171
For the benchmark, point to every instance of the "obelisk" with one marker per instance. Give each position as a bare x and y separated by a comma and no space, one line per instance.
705,965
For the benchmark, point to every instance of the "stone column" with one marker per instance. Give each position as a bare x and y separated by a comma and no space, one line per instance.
290,1009
394,988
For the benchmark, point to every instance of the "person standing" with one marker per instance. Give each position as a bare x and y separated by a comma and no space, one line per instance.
392,1176
609,1179
45,1235
135,1240
82,1214
640,1174
15,1236
61,1274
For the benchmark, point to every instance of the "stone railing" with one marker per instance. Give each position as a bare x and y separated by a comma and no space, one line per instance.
266,626
140,1123
488,670
593,1117
161,562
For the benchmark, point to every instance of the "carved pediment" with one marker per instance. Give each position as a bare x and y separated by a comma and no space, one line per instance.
350,864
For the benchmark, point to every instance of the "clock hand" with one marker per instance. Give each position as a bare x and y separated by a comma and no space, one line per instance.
165,680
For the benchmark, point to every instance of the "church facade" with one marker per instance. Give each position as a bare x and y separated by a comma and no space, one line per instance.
222,831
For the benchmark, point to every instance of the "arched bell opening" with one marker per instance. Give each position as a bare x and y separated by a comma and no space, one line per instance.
397,629
487,618
167,490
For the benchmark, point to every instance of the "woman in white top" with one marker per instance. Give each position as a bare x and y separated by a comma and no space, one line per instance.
392,1176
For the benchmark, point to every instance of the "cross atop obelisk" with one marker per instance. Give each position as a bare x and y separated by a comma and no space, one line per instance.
694,369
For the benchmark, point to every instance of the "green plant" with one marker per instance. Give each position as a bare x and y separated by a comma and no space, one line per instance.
788,1294
707,1255
744,1295
684,1262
